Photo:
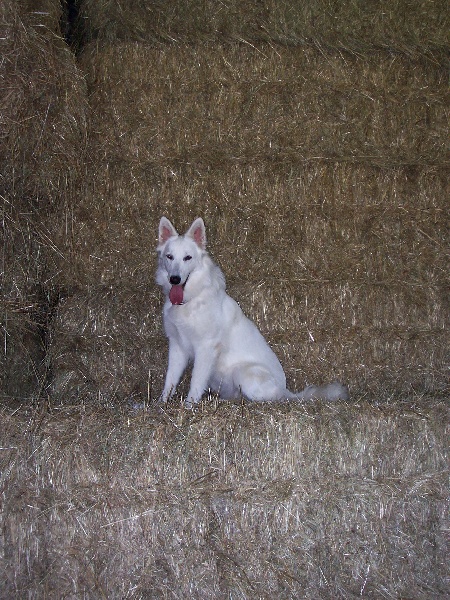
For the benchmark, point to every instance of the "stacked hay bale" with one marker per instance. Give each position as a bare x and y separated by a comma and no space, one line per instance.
338,501
321,177
42,138
311,139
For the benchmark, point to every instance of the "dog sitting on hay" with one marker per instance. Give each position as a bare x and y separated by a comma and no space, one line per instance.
207,327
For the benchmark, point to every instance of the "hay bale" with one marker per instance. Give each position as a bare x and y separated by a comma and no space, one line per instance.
107,345
43,106
415,30
22,360
42,15
348,150
23,308
317,501
240,105
360,296
332,145
311,501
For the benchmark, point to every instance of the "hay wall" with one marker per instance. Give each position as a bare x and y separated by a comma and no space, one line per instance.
347,275
338,501
312,140
43,105
418,29
346,147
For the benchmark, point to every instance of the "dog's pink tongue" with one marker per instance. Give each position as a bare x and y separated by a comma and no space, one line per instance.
176,294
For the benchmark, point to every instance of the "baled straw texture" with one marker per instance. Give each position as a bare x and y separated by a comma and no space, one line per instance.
107,344
42,116
364,299
318,501
417,30
214,105
313,501
43,106
323,184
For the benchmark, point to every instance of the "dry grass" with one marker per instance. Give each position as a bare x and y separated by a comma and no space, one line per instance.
347,278
347,152
43,106
234,104
417,30
313,501
312,139
42,140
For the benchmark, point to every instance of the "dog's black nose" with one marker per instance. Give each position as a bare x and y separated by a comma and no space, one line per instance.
175,280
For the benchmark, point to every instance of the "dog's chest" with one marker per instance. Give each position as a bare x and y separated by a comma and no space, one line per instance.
190,323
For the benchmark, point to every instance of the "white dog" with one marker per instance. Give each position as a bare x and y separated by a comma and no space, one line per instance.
207,327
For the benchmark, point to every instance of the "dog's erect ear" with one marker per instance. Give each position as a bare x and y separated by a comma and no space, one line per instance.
197,232
166,230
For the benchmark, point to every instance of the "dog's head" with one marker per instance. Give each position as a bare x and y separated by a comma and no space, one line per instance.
179,256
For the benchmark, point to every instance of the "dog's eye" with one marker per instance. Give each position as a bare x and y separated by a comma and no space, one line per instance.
169,256
186,258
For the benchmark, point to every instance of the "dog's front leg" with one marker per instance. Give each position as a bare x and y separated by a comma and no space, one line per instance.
201,375
178,361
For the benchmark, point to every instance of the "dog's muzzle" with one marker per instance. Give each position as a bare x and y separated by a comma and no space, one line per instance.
176,294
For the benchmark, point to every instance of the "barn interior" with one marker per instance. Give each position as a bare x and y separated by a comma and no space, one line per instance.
313,140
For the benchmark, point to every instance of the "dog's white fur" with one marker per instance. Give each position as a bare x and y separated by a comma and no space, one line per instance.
229,354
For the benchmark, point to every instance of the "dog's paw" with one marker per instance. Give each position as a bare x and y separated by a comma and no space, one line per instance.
191,403
163,399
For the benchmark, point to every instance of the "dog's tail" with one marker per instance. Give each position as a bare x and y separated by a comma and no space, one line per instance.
332,391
